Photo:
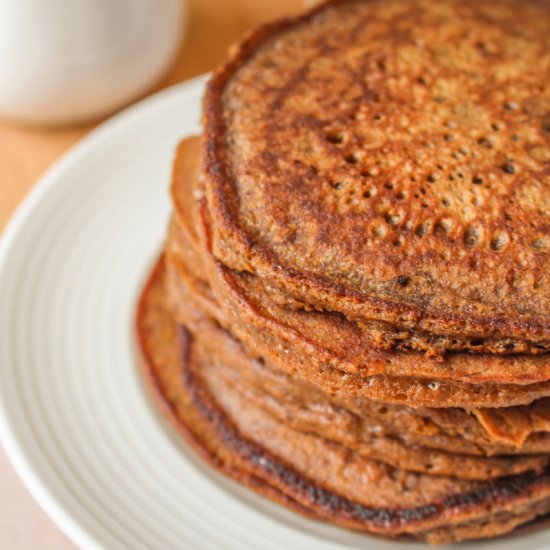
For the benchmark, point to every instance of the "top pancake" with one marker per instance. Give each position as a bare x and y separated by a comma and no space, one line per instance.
390,160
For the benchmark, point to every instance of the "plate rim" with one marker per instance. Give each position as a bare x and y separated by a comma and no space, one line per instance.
52,177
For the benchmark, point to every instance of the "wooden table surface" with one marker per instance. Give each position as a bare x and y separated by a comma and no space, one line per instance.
25,153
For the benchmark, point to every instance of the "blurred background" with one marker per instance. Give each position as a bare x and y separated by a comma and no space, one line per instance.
65,66
29,141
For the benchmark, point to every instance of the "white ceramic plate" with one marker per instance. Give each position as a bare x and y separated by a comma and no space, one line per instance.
75,418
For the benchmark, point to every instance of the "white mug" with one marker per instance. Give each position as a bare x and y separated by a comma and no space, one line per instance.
66,61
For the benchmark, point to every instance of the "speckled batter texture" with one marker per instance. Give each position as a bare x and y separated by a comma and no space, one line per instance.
390,160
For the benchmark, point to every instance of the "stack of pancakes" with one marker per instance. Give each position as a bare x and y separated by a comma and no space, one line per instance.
351,314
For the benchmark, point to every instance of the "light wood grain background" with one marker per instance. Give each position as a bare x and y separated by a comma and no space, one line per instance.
25,153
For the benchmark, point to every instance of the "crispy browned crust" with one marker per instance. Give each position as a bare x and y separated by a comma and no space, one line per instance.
523,332
214,436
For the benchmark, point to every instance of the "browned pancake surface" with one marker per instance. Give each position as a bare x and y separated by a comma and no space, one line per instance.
390,160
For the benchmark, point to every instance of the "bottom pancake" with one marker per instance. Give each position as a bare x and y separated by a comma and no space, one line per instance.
305,472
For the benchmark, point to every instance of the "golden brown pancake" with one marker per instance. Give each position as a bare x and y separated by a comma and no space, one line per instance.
312,342
389,160
291,467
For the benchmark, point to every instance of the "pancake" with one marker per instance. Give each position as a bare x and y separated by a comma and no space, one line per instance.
306,409
311,342
453,430
291,467
418,392
317,336
407,144
515,424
